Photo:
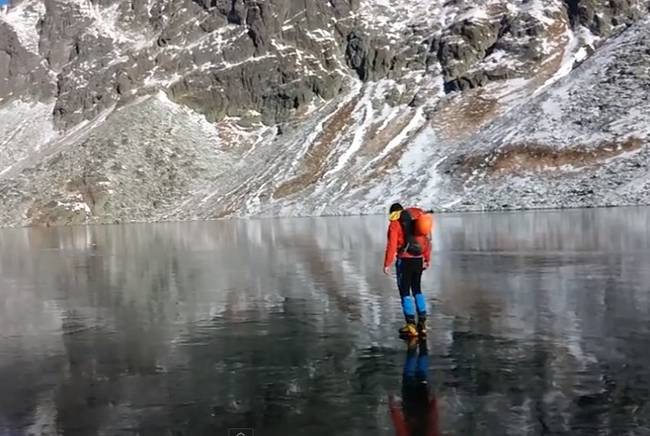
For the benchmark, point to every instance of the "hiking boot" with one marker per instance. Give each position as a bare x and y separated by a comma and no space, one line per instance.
422,328
409,331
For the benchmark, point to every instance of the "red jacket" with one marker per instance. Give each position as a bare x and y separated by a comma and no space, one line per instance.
396,241
402,427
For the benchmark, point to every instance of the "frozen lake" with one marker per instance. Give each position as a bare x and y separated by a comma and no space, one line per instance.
539,325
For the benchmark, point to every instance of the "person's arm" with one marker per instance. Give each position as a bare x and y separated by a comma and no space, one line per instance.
434,420
391,244
397,416
427,252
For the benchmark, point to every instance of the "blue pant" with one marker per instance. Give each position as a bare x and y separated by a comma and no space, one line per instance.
409,282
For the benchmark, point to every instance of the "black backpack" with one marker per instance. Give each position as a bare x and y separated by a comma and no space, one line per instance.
411,244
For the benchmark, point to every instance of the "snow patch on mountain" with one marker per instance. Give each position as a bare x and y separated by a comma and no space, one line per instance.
24,18
25,128
395,16
106,23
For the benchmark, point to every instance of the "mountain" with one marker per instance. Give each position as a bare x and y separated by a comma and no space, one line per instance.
142,110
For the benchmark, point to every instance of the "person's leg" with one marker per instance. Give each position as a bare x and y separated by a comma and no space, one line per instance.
420,300
404,279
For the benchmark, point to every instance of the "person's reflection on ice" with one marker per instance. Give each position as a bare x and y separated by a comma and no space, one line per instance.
417,415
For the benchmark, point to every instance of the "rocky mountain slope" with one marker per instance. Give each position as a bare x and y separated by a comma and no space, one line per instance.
117,111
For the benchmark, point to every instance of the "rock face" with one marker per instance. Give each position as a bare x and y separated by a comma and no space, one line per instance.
181,109
220,58
21,71
581,143
603,18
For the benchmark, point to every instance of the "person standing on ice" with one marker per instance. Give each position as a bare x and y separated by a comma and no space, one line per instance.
409,247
